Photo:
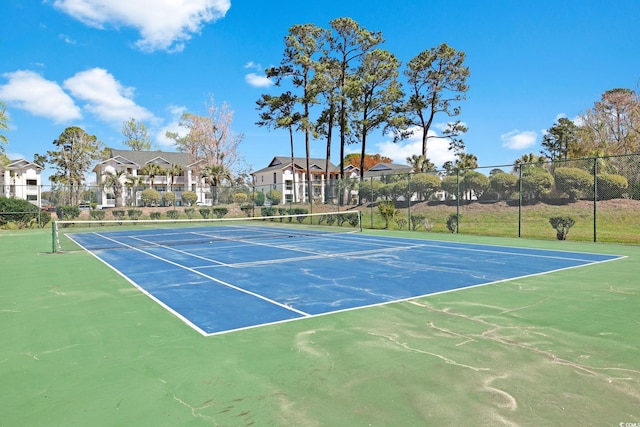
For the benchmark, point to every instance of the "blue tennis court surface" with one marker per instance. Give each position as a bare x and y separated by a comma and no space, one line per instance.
235,282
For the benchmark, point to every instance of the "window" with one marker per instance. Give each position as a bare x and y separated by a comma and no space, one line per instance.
275,177
289,185
32,182
32,197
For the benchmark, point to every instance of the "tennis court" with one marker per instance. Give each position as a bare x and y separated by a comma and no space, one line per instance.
229,277
558,344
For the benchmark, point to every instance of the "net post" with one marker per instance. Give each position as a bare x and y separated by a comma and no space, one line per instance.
54,237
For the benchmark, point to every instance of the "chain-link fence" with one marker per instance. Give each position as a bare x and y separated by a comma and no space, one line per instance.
592,199
595,199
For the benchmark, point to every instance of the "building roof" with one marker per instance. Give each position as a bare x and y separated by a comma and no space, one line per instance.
21,164
134,158
387,169
282,162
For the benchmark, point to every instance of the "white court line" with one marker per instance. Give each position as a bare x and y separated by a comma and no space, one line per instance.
456,246
229,285
313,254
306,315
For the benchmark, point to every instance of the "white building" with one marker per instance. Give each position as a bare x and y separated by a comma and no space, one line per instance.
21,179
290,179
131,166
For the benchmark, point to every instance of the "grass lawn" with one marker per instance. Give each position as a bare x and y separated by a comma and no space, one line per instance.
82,346
616,220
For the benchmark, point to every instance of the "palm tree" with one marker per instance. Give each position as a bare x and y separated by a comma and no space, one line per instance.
421,164
133,182
113,180
530,159
152,170
172,172
214,175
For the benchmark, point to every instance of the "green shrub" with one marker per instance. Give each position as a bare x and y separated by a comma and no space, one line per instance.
353,219
240,198
155,215
168,199
268,211
21,213
449,184
67,213
220,212
11,226
134,214
388,212
204,212
535,183
282,212
299,211
247,209
504,184
97,214
331,219
574,182
275,197
452,222
189,198
420,220
611,186
425,184
375,190
189,212
173,214
259,198
475,184
562,224
118,214
45,218
150,197
400,222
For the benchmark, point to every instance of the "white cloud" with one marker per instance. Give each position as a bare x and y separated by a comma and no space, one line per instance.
256,80
30,91
66,39
516,140
173,126
106,97
437,149
162,24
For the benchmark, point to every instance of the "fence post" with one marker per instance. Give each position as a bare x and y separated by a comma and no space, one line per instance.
595,198
457,201
409,202
371,204
520,201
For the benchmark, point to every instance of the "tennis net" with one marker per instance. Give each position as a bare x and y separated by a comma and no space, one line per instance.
70,235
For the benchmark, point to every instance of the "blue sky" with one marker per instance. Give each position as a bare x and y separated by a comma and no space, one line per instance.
96,63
